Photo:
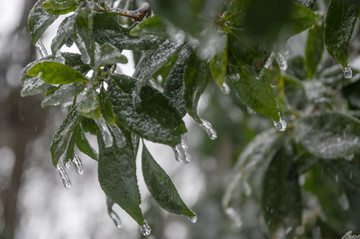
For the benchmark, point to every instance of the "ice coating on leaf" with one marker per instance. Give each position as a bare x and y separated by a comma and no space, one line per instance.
234,216
206,125
193,219
349,235
41,48
104,131
33,86
181,151
63,175
225,88
315,91
347,72
78,165
118,135
269,61
135,96
145,229
281,61
113,215
280,125
62,93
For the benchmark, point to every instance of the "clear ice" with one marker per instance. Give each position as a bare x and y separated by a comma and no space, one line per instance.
193,219
206,125
225,88
118,135
105,132
145,229
64,177
349,235
281,61
281,125
113,215
347,72
78,165
234,216
41,48
180,151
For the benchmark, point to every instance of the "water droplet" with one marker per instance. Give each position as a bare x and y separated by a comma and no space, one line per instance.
113,215
105,132
64,177
118,135
234,77
347,72
281,61
225,88
206,125
234,216
193,219
281,125
145,229
78,165
180,151
41,48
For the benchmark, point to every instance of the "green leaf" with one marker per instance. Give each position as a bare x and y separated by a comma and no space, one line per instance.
83,144
33,86
89,104
59,7
339,25
314,50
281,196
60,138
39,20
196,78
74,60
84,28
70,148
218,64
106,110
62,93
161,187
329,135
64,32
117,177
56,73
151,26
154,119
109,55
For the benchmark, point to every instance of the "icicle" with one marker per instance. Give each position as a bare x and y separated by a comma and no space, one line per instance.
269,61
225,88
66,163
64,177
206,125
113,215
281,125
78,165
281,61
347,72
193,219
119,137
105,132
145,229
41,48
180,150
234,216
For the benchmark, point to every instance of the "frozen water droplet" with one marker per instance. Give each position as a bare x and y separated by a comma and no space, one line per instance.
281,125
113,215
347,72
206,125
281,61
78,165
225,88
234,77
118,135
193,219
234,216
145,229
64,177
41,48
67,163
105,132
180,151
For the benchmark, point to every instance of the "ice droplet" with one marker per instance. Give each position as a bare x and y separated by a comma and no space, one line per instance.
193,219
206,125
67,163
234,216
64,177
225,88
281,61
234,77
41,48
145,229
118,135
113,215
78,165
347,72
281,125
105,132
180,151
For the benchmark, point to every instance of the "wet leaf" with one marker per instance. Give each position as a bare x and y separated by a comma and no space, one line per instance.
56,73
83,144
117,177
39,20
339,25
314,50
89,104
59,7
161,187
329,135
218,64
62,93
64,32
154,119
151,26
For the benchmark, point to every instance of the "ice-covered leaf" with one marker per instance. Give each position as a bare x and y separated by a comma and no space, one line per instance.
84,28
314,50
62,93
74,60
89,104
39,20
161,187
329,135
339,25
70,148
151,26
196,77
60,138
106,110
154,118
117,177
83,144
281,195
56,73
218,64
59,7
64,32
33,86
109,55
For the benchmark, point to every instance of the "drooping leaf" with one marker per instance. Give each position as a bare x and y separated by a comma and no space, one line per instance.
89,104
314,50
33,86
161,187
59,7
70,148
218,64
117,177
109,55
196,78
83,144
56,73
64,32
62,93
154,119
339,25
84,28
39,20
329,135
60,138
151,26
